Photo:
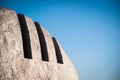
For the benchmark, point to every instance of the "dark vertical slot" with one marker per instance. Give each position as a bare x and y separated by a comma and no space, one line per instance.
44,51
58,52
25,37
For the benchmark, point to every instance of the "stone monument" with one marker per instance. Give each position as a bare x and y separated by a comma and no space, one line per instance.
28,52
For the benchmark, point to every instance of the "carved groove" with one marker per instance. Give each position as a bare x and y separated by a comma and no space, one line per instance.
25,37
58,52
44,51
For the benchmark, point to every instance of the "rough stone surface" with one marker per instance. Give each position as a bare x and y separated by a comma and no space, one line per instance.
13,65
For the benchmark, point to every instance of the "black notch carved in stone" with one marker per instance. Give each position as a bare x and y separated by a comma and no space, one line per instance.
44,51
58,52
25,36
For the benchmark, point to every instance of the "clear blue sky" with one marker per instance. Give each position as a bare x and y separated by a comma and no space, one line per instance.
88,30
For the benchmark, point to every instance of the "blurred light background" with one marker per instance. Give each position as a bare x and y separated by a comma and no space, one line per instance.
88,30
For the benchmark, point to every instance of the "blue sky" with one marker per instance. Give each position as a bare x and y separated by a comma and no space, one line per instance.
88,30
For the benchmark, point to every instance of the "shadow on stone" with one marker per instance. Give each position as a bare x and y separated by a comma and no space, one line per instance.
44,51
58,52
25,37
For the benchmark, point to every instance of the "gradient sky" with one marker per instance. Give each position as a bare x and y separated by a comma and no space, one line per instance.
88,30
